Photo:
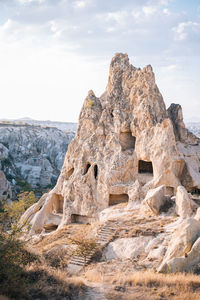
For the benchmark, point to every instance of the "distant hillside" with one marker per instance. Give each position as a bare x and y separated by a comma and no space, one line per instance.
64,126
31,155
194,127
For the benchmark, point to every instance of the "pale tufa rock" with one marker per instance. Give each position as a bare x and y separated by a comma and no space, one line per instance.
155,200
187,232
186,263
183,206
127,248
125,145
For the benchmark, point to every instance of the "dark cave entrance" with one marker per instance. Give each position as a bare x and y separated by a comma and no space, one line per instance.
195,191
95,171
117,198
145,167
79,219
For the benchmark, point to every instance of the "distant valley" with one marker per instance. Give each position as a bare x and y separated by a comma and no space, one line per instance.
31,154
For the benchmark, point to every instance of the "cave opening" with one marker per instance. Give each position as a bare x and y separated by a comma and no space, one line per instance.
117,198
145,167
69,173
79,219
95,171
86,168
127,141
195,191
58,202
50,228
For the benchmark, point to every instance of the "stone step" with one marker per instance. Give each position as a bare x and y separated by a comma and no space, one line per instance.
107,234
109,228
82,258
104,238
78,262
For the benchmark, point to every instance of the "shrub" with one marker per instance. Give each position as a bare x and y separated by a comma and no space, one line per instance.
90,102
17,208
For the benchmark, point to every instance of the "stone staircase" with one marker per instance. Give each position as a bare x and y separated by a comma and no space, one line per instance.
104,236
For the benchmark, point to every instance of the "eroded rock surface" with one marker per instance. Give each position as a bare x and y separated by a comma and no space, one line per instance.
187,232
127,147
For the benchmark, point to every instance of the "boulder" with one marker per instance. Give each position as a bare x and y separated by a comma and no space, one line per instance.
187,232
127,247
183,203
155,199
186,263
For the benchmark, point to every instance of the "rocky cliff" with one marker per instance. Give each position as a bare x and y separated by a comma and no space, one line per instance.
132,160
30,156
126,145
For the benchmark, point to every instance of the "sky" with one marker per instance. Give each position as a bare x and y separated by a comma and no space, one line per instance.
52,52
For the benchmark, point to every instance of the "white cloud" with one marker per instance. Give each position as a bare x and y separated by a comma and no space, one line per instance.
169,68
31,1
149,10
81,4
166,11
58,28
184,29
111,29
117,16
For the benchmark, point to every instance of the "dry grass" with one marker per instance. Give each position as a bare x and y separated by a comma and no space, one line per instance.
94,276
60,237
176,287
149,278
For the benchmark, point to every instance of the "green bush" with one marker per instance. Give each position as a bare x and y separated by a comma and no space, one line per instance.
17,208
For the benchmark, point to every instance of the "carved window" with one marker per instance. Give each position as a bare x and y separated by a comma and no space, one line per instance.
86,168
127,141
145,167
117,198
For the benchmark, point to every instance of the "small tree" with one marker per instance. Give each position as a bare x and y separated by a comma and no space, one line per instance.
85,246
17,208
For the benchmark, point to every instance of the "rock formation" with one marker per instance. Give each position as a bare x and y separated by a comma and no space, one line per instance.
31,155
127,143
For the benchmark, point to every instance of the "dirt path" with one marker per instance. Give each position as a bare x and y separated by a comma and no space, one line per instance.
95,291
